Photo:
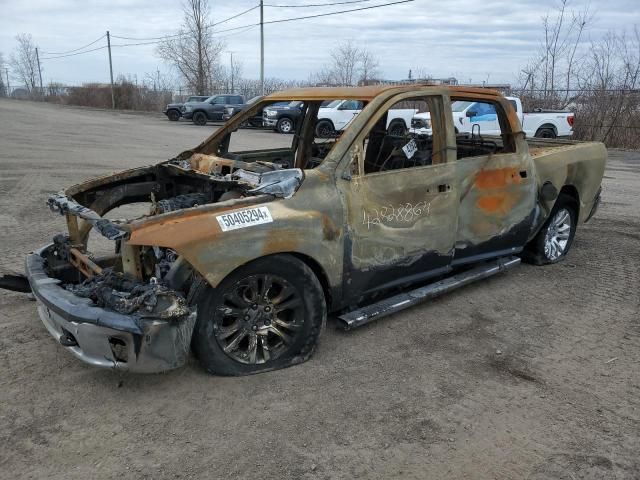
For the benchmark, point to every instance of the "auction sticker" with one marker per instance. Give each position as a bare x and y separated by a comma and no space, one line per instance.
410,148
244,218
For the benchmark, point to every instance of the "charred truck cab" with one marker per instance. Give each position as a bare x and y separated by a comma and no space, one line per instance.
240,254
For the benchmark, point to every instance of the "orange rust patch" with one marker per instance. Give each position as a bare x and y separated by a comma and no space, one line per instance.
500,204
491,203
329,231
499,178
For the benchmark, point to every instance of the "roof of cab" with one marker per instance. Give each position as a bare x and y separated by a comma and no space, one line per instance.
368,93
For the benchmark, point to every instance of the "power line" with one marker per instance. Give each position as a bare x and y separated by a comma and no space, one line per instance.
76,49
271,21
243,29
235,16
211,25
74,54
338,12
316,4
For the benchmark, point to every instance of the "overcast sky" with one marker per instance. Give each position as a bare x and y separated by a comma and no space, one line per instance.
469,39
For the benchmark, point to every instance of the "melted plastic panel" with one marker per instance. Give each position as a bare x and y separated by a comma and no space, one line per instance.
116,292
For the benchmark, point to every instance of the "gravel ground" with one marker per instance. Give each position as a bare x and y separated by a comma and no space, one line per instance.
533,374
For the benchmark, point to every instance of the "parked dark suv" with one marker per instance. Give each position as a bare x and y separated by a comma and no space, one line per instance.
212,109
173,111
282,118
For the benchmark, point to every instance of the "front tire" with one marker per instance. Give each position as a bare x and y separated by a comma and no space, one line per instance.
200,119
285,125
553,241
173,115
264,316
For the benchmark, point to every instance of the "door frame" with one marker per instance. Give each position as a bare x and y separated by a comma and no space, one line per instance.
354,183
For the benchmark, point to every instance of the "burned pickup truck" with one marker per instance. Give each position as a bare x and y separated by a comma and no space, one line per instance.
240,254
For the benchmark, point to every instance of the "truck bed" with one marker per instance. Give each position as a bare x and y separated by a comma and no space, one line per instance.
570,162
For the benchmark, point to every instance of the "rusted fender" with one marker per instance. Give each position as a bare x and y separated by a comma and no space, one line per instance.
580,165
298,225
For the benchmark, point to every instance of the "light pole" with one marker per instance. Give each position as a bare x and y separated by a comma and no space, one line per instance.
39,71
262,47
232,89
113,97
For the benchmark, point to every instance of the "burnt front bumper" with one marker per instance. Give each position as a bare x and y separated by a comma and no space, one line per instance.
105,338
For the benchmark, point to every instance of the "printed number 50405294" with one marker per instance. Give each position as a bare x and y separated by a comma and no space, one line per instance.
244,218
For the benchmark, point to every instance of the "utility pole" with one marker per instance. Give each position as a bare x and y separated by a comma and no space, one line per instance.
231,72
6,71
262,47
113,97
39,71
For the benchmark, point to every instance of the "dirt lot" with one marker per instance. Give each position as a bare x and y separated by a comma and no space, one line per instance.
534,374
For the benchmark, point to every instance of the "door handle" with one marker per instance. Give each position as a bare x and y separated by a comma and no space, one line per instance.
444,187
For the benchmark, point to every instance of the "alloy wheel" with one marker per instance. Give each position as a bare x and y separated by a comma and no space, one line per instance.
558,234
260,319
285,125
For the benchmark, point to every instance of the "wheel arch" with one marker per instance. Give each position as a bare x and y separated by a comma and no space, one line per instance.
572,192
547,126
317,269
326,120
320,274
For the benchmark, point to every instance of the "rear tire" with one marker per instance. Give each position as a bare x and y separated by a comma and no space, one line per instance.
200,119
324,129
266,315
553,241
546,133
173,115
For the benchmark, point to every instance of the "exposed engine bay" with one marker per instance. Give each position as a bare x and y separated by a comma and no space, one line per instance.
144,279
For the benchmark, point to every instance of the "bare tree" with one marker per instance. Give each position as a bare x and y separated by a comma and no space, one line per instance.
252,88
609,81
344,62
369,67
194,52
421,73
55,89
233,75
349,65
553,67
24,62
158,81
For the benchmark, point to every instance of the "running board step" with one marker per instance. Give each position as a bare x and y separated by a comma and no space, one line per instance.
394,304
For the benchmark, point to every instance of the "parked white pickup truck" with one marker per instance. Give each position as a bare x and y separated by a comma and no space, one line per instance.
338,114
466,115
